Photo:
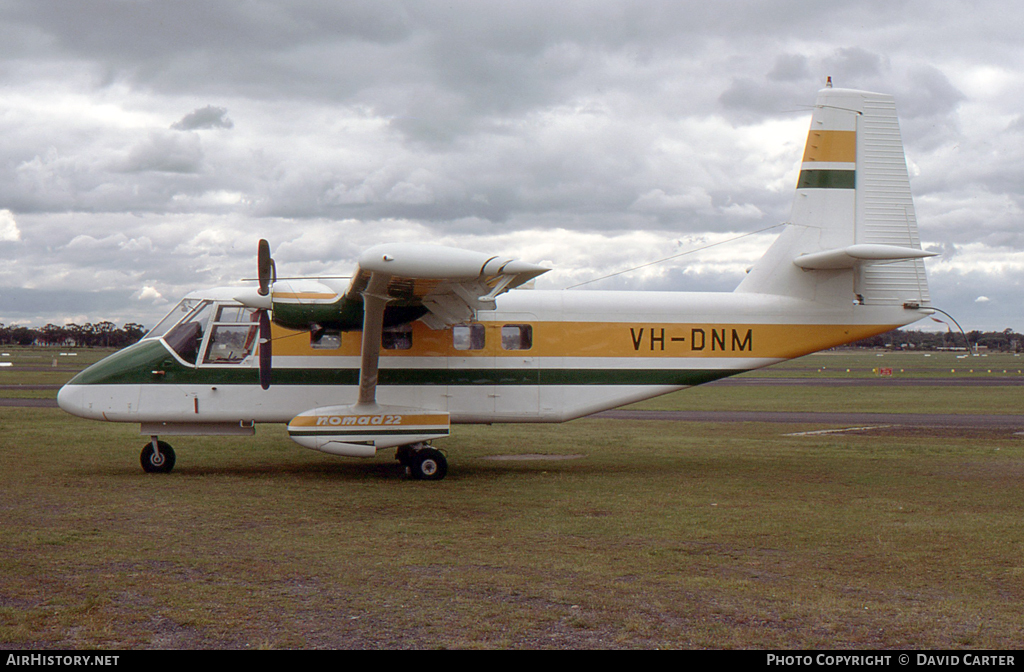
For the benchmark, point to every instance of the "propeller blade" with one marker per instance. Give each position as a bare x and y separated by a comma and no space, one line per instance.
265,266
265,350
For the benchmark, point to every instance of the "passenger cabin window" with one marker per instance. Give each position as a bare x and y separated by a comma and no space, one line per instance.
397,338
517,337
234,335
468,336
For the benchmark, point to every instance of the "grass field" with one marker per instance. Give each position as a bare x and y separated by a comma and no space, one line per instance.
654,534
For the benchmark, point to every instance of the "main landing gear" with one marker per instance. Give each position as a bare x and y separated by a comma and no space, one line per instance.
157,457
422,462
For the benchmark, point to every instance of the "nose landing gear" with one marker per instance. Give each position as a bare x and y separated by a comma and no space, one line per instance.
157,457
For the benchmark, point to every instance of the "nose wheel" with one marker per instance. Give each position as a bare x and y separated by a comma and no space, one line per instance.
157,457
422,462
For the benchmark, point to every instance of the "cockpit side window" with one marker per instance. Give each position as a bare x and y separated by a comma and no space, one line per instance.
234,335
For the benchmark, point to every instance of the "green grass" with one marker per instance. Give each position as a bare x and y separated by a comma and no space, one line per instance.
661,535
45,366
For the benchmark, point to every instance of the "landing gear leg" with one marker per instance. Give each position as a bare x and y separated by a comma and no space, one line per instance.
404,455
422,462
157,457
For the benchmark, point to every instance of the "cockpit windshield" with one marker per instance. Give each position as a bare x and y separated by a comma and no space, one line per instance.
179,311
224,331
211,330
186,337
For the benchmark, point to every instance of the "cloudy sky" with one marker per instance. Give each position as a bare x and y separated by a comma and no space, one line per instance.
148,145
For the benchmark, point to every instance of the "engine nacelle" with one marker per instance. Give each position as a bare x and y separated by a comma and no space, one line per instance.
316,305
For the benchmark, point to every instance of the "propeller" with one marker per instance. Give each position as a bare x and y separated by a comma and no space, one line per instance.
267,270
265,349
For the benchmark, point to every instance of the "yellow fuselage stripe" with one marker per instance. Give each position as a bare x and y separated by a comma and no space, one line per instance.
609,339
388,420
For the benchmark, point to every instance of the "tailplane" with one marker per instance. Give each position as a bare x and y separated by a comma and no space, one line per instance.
852,235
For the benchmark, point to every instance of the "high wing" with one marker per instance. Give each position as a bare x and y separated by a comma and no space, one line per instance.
450,283
441,286
394,283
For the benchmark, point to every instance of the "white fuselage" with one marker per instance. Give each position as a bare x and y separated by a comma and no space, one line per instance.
541,356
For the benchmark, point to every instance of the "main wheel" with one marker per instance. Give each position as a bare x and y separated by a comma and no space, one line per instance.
157,463
428,464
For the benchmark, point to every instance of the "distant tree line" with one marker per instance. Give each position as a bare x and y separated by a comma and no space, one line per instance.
109,335
99,335
1006,340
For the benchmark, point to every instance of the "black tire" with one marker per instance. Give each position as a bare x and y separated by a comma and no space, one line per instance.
152,464
428,464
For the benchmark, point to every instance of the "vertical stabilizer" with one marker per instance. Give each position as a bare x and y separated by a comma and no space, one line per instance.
852,235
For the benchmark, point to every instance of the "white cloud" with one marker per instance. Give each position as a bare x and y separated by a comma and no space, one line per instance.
9,231
165,152
744,211
657,200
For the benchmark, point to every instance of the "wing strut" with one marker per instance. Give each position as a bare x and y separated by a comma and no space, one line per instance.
375,299
361,429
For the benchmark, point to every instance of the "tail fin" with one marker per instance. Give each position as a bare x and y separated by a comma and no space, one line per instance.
853,234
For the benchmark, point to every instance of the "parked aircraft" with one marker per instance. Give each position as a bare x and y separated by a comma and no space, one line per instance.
422,337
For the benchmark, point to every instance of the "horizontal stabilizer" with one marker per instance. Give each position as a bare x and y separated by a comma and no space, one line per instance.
853,255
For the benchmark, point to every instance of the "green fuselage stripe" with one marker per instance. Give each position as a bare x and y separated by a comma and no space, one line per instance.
150,364
827,179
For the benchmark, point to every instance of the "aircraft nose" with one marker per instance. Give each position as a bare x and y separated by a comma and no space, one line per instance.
71,399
